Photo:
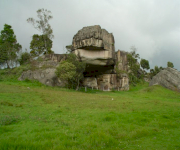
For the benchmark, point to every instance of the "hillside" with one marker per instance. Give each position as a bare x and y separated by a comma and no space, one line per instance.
34,116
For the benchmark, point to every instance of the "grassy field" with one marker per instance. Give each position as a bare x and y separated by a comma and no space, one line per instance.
33,116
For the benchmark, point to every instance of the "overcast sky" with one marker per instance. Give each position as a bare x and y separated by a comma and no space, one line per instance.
152,26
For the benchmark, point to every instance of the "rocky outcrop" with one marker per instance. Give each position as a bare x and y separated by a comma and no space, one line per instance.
46,76
168,78
94,45
44,69
108,82
54,57
121,60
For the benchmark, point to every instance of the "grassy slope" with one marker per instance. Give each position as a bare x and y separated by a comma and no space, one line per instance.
41,117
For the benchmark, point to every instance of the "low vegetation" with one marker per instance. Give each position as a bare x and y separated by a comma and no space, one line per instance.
34,116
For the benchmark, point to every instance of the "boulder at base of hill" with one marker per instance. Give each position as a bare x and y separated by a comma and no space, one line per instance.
45,76
168,78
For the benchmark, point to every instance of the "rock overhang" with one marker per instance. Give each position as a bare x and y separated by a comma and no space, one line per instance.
94,45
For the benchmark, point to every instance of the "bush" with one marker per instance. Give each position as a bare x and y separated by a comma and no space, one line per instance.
25,58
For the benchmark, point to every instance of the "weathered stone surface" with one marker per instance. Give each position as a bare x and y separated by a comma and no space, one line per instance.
90,82
107,82
45,64
54,57
94,45
121,60
43,70
169,78
46,76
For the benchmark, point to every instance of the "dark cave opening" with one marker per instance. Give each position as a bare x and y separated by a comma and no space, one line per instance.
95,70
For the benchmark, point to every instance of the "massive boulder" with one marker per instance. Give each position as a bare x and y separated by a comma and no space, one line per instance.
94,45
45,76
168,78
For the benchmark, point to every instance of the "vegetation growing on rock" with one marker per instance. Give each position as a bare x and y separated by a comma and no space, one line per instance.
170,64
71,70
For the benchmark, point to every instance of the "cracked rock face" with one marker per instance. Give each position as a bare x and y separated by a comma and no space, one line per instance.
94,45
168,78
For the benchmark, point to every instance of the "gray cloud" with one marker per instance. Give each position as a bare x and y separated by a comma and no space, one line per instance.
152,26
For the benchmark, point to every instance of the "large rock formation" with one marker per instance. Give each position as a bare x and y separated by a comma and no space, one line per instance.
94,45
169,78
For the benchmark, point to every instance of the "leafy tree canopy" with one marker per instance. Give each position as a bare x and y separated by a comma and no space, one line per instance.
73,72
170,64
155,71
42,24
9,47
145,64
132,58
24,58
40,44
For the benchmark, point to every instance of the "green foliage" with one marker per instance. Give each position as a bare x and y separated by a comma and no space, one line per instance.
3,54
13,74
42,24
73,64
40,44
155,71
132,58
24,58
170,64
66,71
145,64
69,49
9,47
55,118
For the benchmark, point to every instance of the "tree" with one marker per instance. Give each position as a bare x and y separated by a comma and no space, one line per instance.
42,25
69,49
9,47
38,47
74,80
145,64
24,58
3,55
170,64
155,71
132,58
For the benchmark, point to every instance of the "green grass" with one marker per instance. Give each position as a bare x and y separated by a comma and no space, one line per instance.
34,116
